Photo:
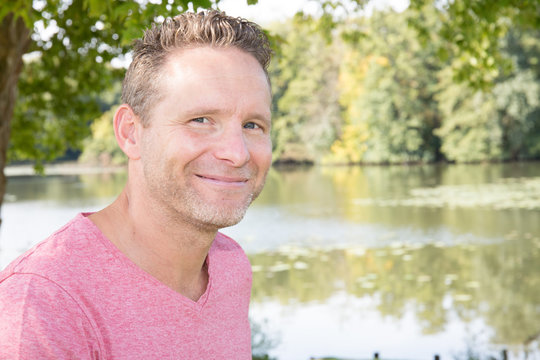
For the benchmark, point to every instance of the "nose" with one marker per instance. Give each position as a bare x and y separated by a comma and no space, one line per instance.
232,147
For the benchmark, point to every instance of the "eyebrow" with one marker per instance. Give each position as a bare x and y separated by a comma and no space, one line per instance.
212,111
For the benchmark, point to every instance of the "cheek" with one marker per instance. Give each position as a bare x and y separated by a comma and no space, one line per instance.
262,154
184,147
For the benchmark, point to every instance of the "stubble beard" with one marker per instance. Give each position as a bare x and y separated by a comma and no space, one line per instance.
214,215
186,204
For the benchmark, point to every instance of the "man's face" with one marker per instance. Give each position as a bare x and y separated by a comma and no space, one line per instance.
207,149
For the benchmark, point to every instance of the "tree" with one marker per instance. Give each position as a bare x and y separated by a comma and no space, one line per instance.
471,30
469,130
502,123
304,79
71,46
101,148
389,83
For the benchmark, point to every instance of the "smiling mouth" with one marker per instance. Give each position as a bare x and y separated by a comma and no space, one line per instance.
224,180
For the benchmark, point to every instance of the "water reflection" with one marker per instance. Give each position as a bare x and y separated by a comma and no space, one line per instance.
408,261
77,190
381,195
497,283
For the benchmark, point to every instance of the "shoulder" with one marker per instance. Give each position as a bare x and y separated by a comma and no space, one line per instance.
40,306
229,253
226,253
65,248
230,271
31,291
69,258
39,319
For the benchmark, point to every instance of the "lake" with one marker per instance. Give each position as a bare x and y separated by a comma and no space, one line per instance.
407,261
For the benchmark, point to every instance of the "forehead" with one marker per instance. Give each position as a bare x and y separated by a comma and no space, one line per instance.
225,77
208,60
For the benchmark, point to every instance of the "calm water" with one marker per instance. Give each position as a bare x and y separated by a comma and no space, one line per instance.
405,261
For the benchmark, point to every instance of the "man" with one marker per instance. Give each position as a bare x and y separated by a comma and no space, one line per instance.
150,276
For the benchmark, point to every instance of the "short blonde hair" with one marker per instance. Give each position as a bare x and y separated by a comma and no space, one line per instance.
140,88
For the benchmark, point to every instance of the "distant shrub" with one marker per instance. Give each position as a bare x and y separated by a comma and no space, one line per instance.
101,147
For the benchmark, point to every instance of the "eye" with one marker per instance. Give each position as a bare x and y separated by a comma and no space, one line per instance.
200,120
251,125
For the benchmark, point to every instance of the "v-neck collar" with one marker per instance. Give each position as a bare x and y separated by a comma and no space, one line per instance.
196,306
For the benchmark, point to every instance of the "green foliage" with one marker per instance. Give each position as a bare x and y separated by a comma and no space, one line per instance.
357,90
471,32
350,147
402,103
502,124
60,87
261,341
101,147
469,131
351,144
20,8
304,79
262,357
388,82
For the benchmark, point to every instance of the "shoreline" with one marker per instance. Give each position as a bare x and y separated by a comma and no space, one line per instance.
65,168
76,168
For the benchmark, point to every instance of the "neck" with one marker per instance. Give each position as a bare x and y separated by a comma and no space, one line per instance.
172,251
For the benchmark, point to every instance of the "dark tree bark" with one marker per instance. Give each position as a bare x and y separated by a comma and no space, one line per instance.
14,42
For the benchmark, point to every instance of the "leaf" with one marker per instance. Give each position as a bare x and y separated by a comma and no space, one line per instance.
96,8
124,10
204,4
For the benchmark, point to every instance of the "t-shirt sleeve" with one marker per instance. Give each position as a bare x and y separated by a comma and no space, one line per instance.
39,320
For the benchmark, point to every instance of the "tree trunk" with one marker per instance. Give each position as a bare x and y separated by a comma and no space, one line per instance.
14,42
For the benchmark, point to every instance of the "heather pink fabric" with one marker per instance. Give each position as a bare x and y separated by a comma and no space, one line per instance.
76,296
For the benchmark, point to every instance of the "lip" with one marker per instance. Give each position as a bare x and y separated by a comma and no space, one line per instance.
229,181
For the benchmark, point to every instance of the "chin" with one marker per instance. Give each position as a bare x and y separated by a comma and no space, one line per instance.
219,217
215,224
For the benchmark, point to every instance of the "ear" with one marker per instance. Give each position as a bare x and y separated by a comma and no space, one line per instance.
126,129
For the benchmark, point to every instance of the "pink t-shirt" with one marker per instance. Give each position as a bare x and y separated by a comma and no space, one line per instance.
76,296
